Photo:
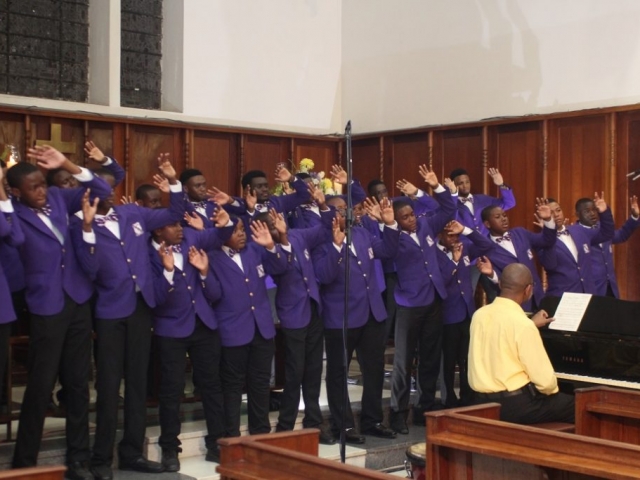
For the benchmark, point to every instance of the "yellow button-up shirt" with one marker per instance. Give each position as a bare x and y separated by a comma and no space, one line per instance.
506,351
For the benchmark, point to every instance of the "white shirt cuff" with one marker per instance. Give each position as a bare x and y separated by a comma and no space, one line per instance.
89,237
494,279
420,193
271,250
393,226
440,189
107,162
85,175
6,206
286,248
467,231
177,188
550,224
168,276
235,203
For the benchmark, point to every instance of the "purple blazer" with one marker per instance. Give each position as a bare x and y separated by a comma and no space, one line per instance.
303,217
12,265
525,242
459,303
178,304
419,277
51,268
297,285
480,202
364,293
564,273
10,233
119,267
602,264
244,303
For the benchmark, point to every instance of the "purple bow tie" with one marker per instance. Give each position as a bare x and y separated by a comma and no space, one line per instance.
102,220
46,210
466,199
176,248
308,206
563,232
202,205
231,252
505,238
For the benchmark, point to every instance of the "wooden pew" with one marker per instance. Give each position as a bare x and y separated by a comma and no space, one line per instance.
55,472
285,456
610,413
472,444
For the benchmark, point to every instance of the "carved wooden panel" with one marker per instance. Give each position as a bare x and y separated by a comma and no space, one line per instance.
460,148
66,134
366,160
324,154
214,154
12,132
403,155
516,150
264,153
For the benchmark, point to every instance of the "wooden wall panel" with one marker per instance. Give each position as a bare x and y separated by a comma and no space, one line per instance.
12,132
366,160
264,153
214,154
460,148
516,150
403,155
579,160
323,154
72,134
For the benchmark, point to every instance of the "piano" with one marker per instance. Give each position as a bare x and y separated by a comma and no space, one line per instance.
604,351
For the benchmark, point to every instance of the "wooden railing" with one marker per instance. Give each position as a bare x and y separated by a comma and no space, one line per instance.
35,473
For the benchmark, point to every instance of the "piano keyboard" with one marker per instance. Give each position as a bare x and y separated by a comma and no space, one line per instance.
598,380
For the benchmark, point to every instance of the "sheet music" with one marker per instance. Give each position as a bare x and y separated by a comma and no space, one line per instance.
570,311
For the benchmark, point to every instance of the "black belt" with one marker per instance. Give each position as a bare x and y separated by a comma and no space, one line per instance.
528,388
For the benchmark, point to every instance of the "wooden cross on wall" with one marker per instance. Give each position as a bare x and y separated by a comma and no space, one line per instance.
56,140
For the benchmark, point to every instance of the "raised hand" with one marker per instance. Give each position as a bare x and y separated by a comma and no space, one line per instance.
126,200
261,235
450,185
166,257
94,153
429,176
278,221
218,196
406,187
496,176
250,198
286,188
456,251
542,318
194,220
542,209
454,227
338,235
338,174
386,211
161,182
47,157
199,259
372,207
317,194
282,174
633,201
220,217
538,221
598,201
485,266
89,210
164,165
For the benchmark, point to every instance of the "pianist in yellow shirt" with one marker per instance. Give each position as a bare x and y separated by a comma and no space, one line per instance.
507,360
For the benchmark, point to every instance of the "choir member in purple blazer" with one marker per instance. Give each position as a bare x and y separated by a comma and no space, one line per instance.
57,294
568,263
457,259
366,328
419,294
113,250
518,244
184,323
298,307
245,323
602,265
258,197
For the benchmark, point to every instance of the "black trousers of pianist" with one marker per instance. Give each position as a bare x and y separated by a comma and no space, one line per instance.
527,405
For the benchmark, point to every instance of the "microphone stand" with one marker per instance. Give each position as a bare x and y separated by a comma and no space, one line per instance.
347,276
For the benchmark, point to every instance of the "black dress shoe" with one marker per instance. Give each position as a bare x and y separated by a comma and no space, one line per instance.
78,471
213,454
351,436
325,438
101,472
143,465
398,424
379,430
170,460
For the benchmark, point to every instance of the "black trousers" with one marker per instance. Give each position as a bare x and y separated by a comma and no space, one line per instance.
368,343
388,296
528,408
419,327
61,344
455,350
303,368
250,364
203,347
123,350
